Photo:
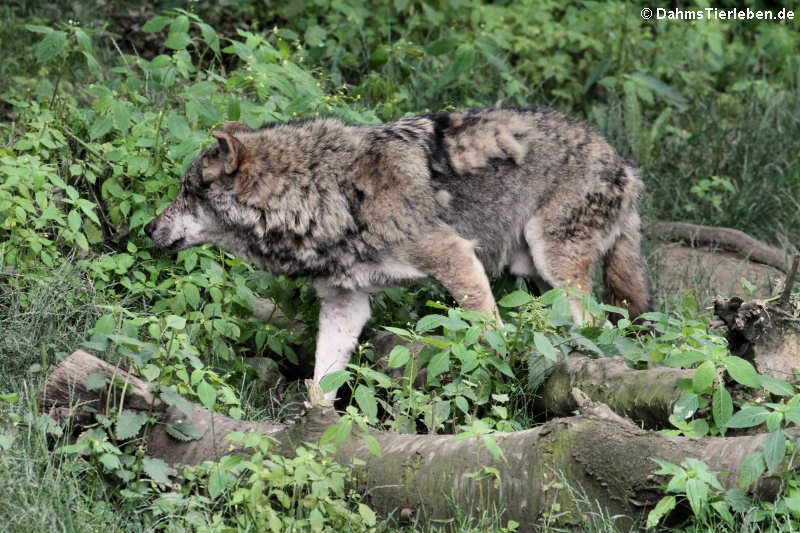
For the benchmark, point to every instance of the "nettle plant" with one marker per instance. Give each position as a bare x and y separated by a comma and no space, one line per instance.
475,370
707,408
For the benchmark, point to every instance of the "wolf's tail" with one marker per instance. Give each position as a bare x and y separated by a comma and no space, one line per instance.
627,283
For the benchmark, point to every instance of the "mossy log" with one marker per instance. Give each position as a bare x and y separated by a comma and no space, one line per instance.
597,452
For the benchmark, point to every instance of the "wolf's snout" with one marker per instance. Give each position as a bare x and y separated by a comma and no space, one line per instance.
149,228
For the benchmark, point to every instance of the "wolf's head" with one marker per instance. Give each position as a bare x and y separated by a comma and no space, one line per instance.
206,208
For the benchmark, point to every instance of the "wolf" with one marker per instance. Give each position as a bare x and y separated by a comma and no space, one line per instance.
450,196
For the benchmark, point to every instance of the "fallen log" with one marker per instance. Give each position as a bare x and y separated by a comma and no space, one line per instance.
597,451
726,238
644,396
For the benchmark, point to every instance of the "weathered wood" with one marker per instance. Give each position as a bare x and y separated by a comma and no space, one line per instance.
597,451
725,238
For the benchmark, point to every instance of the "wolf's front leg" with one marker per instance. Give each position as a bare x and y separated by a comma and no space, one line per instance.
342,316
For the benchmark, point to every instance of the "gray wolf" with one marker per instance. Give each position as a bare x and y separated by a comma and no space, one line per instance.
445,196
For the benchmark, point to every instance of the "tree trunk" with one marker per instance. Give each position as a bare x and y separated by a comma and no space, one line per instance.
598,452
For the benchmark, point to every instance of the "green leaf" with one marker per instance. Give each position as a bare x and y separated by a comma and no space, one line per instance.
158,470
372,445
171,397
121,115
697,494
515,299
207,394
544,346
748,417
365,398
664,506
178,126
176,322
178,37
52,45
155,24
721,408
704,377
441,46
367,515
216,483
105,325
334,380
742,371
399,356
774,420
439,363
12,397
777,386
429,322
74,221
100,127
492,446
95,381
774,450
183,430
129,423
110,461
463,60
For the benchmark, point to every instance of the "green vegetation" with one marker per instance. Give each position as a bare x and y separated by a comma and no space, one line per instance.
100,112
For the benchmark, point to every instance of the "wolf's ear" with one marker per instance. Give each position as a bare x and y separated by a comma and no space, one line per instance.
236,127
231,148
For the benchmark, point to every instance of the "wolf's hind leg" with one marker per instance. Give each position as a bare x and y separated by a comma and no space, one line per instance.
562,264
451,260
342,316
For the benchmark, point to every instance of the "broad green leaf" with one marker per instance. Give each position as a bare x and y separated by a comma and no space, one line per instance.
178,37
50,46
774,450
742,371
105,325
372,445
399,356
721,408
704,377
207,394
463,60
12,397
367,515
183,430
697,494
121,115
216,483
441,46
176,322
777,386
334,380
515,299
664,506
439,363
74,221
110,461
95,381
365,398
492,446
171,397
158,470
429,322
155,24
774,420
544,346
748,417
129,423
100,127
